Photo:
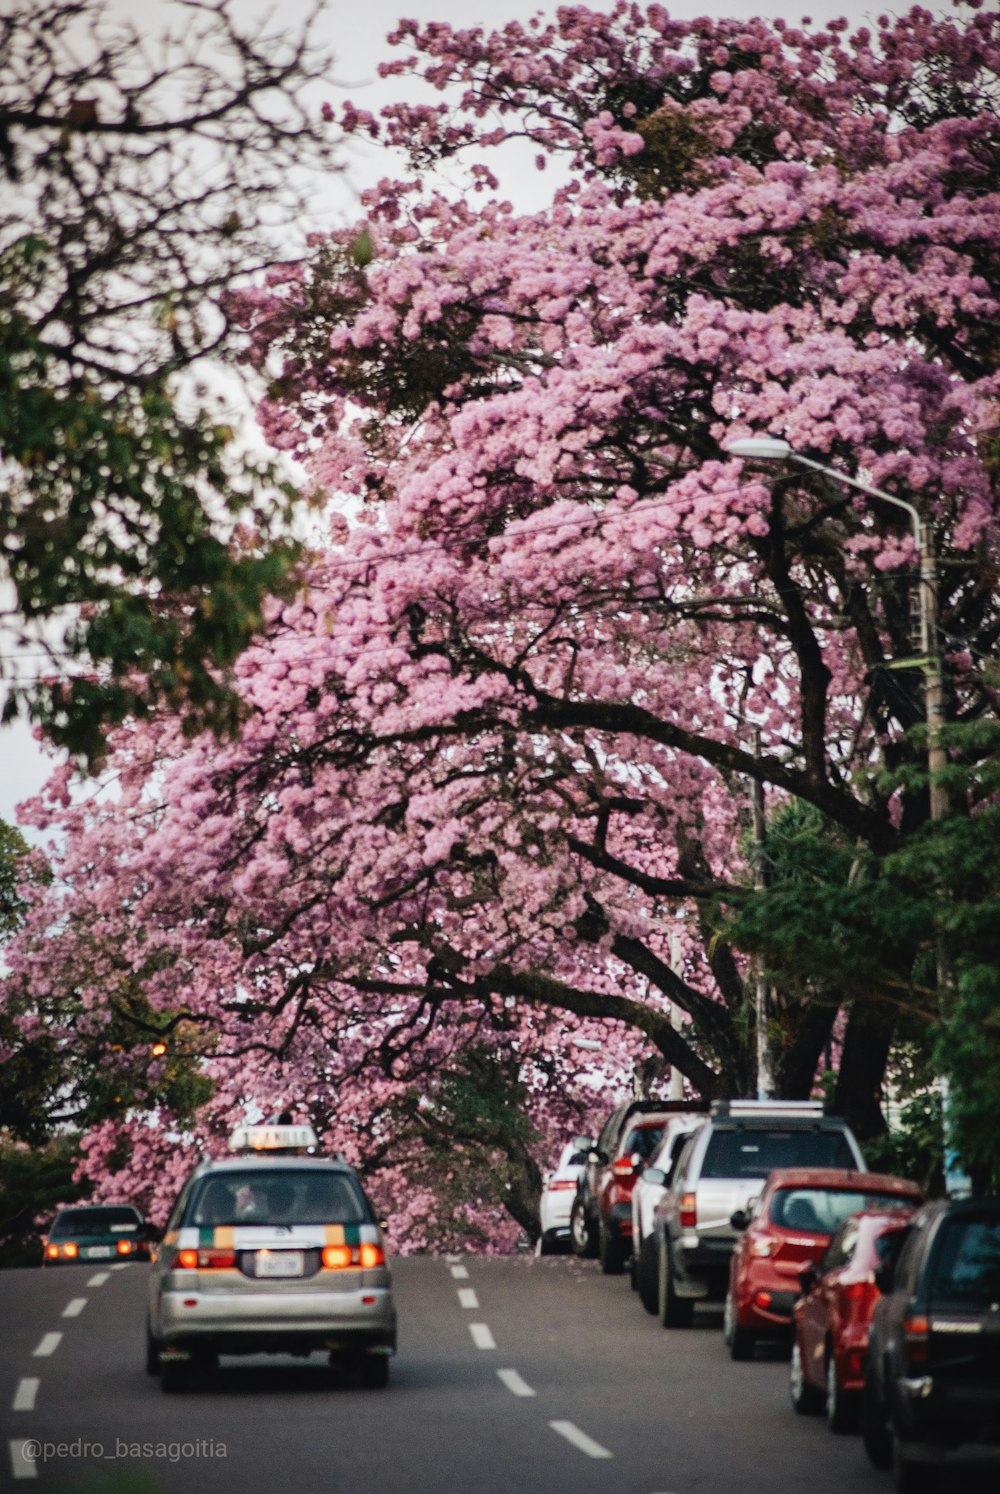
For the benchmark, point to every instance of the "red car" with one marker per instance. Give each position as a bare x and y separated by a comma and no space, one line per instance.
616,1179
830,1321
790,1228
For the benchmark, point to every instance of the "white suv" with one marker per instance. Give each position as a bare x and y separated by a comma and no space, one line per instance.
722,1168
650,1187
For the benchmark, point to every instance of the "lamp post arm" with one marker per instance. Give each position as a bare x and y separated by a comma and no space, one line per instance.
865,487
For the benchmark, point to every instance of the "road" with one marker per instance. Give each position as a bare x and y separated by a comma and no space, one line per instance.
514,1376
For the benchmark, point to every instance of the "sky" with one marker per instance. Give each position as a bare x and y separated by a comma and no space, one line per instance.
355,34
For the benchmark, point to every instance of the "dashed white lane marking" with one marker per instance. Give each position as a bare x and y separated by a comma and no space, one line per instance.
453,1258
481,1336
467,1297
74,1307
99,1279
21,1466
48,1344
514,1383
580,1439
460,1273
121,1266
24,1395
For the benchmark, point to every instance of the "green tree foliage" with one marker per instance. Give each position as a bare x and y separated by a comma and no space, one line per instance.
136,185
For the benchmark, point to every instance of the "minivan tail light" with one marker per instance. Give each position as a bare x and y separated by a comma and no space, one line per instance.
916,1333
205,1260
688,1210
342,1257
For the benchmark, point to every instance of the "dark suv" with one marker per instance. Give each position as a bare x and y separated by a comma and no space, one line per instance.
601,1220
932,1377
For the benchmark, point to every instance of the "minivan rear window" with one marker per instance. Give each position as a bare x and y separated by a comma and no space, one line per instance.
967,1269
754,1153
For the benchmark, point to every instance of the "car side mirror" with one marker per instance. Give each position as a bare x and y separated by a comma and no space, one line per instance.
582,1143
656,1176
808,1278
597,1157
884,1273
739,1219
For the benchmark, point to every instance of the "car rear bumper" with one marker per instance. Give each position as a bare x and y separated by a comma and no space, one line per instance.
929,1409
243,1322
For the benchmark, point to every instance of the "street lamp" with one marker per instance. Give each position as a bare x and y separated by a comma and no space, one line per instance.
774,449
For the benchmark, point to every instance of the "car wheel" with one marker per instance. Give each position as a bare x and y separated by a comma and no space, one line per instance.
580,1234
841,1405
610,1251
805,1397
646,1275
152,1353
740,1341
875,1432
175,1377
908,1475
674,1311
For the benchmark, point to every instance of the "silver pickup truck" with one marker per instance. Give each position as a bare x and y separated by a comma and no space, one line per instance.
723,1168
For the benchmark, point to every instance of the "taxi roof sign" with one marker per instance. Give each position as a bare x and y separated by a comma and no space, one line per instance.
273,1138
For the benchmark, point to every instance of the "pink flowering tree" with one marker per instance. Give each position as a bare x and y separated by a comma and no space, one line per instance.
491,790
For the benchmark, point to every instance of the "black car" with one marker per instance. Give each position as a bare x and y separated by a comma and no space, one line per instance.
84,1233
932,1377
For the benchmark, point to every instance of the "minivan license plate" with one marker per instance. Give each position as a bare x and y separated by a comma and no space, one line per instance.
279,1263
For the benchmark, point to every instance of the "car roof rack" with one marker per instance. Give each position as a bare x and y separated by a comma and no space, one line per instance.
737,1108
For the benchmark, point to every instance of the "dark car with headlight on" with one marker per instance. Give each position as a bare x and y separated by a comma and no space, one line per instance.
274,1250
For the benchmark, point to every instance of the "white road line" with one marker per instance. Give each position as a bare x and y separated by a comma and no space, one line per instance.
580,1439
481,1336
48,1344
460,1273
514,1383
99,1279
467,1297
24,1396
453,1257
21,1466
74,1307
120,1266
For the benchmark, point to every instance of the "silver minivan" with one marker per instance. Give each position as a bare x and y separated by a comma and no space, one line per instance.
274,1250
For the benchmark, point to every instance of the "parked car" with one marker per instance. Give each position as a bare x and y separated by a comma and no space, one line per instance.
722,1169
272,1250
601,1218
932,1375
558,1192
789,1228
84,1233
649,1188
830,1320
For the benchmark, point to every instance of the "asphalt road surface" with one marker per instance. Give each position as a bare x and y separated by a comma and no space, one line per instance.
514,1376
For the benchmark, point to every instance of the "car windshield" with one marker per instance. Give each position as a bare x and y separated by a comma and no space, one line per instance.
967,1269
754,1153
822,1210
642,1139
262,1195
96,1221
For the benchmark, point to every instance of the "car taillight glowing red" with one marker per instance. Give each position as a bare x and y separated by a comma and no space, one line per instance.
52,1251
341,1257
859,1299
688,1210
124,1247
916,1331
623,1167
205,1260
71,1250
561,1184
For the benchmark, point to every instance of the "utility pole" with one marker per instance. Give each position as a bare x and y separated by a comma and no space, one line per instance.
765,1078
